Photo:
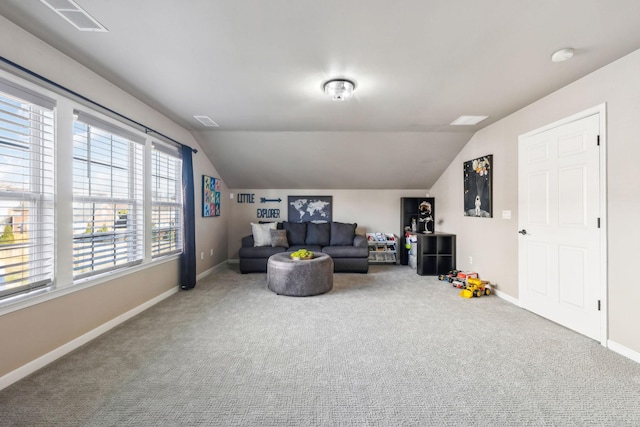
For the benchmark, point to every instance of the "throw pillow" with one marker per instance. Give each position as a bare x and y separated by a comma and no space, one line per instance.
296,232
279,238
318,233
262,233
342,234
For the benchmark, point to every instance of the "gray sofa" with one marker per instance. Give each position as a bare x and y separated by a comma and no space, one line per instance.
348,250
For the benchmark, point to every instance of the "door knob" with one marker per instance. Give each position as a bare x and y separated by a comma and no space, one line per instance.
523,231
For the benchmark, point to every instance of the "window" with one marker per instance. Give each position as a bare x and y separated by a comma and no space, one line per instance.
26,190
108,199
113,200
166,185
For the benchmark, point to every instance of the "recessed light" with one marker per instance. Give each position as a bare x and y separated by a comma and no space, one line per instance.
71,12
207,121
468,120
562,54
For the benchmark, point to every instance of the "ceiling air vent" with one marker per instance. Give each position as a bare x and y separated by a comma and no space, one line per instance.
71,12
205,120
468,120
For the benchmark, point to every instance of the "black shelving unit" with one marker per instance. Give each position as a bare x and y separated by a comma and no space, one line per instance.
436,253
415,208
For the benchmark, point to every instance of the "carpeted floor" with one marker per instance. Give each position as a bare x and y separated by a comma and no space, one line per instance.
389,348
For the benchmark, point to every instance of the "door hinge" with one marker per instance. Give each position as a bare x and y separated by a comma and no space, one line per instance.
598,305
598,222
598,140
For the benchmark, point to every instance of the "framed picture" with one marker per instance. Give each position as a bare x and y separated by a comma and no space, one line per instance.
210,196
478,183
309,208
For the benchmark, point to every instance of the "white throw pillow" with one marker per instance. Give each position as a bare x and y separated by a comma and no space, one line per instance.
262,233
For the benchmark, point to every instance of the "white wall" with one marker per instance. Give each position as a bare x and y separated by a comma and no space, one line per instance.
372,210
493,243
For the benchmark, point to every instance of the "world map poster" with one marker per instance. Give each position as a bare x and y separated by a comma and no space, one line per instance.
309,208
210,196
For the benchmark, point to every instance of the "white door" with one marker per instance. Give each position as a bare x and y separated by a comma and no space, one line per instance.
559,220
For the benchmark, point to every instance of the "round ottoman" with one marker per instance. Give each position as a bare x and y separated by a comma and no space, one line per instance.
299,278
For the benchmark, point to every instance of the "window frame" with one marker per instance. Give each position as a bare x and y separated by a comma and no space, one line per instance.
102,246
175,245
38,195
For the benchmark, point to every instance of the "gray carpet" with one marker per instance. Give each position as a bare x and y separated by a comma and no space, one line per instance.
389,348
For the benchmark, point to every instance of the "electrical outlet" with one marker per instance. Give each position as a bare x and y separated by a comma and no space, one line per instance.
470,260
211,254
201,255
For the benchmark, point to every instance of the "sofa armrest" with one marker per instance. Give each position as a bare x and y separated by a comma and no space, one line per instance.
360,241
247,241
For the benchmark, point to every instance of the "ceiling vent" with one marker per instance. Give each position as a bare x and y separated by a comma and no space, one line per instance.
71,12
205,120
468,120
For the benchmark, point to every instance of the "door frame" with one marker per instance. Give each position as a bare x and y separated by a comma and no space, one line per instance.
601,111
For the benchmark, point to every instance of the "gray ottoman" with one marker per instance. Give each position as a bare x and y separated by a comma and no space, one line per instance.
299,278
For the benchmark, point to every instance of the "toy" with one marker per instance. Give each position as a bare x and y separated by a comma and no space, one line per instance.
476,288
460,284
449,276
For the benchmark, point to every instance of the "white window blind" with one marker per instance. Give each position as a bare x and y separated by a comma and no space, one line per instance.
166,184
108,204
26,190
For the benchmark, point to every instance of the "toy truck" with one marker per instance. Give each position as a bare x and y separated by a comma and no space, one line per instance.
460,279
476,288
449,276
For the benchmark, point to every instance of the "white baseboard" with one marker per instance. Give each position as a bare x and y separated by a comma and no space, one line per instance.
42,361
626,352
506,297
211,270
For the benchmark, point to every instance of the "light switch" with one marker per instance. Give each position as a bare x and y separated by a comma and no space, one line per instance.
506,214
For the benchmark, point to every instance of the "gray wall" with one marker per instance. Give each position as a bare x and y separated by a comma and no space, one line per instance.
493,243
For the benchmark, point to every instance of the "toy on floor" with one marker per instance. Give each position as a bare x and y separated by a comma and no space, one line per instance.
460,281
476,288
449,276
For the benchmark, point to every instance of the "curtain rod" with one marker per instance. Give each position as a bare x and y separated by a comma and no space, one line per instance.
90,101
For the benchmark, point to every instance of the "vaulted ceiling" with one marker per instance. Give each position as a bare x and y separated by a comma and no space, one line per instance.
256,68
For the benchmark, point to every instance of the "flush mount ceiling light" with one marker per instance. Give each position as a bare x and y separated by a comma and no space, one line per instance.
468,120
71,12
562,54
339,89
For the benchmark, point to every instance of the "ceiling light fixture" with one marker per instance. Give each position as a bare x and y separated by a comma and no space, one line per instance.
468,120
339,89
71,12
562,54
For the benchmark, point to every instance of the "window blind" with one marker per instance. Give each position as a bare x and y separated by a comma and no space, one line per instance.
166,184
26,190
108,215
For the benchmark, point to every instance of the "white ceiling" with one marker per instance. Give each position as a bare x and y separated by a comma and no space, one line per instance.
256,67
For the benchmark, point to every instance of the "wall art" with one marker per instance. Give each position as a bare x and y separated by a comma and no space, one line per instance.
309,208
478,183
210,196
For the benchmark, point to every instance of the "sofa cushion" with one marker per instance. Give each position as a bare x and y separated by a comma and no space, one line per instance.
279,238
346,252
318,234
262,233
260,252
342,234
296,232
